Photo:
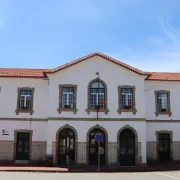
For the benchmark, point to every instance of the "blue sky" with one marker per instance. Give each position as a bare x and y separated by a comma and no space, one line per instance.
48,33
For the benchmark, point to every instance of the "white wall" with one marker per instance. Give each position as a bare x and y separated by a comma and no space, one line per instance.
39,129
82,73
8,97
82,127
173,87
153,127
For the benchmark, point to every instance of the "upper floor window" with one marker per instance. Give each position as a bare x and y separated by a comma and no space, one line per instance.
97,96
127,98
67,98
126,95
25,100
162,102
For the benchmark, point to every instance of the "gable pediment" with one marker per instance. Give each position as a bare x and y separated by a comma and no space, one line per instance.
89,56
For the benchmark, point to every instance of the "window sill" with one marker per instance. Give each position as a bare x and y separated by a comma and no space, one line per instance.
99,110
163,113
67,110
127,110
24,111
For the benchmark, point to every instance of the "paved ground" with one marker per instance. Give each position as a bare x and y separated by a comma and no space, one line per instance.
39,169
89,176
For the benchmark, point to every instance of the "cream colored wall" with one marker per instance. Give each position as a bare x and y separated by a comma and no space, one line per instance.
82,73
39,129
173,87
8,97
153,127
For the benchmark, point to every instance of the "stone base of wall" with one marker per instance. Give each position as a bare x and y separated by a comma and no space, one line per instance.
54,152
6,150
81,153
176,150
151,151
139,158
38,151
112,153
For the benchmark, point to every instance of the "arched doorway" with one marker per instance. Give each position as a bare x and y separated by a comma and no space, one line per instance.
127,145
93,147
66,147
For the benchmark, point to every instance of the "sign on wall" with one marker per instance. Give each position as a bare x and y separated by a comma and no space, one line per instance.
5,132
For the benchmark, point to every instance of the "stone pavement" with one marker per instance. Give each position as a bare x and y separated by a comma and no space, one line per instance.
149,168
34,169
89,176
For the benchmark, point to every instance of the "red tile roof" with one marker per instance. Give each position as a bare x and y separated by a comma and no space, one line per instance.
22,73
42,73
163,76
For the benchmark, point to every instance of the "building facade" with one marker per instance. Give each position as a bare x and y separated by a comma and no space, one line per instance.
57,113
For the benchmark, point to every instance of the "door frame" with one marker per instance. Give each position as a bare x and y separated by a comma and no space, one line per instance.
67,126
30,141
136,143
171,143
106,143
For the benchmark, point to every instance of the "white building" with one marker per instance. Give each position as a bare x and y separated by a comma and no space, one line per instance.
57,113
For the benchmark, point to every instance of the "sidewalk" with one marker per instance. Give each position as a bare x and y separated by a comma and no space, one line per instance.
33,169
78,169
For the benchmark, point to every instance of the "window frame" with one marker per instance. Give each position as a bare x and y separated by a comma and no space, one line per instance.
89,109
97,95
133,109
60,108
18,109
157,113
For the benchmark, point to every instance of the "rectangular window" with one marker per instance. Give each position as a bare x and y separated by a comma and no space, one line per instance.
162,100
68,97
25,100
126,98
97,98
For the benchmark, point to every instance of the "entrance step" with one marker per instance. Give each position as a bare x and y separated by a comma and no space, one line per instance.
22,162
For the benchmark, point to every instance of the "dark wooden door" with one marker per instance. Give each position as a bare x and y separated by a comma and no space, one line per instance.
93,148
127,148
66,150
22,146
164,147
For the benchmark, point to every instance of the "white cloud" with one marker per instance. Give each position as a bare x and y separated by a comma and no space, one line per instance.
165,57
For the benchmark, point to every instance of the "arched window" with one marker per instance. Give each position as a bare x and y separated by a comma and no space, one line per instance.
97,91
97,96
